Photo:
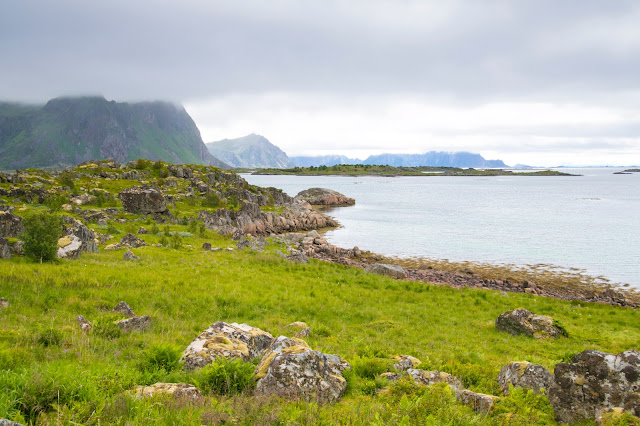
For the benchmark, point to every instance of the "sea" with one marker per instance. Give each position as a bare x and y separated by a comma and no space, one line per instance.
589,224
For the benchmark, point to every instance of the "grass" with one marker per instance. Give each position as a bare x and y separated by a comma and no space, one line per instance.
364,318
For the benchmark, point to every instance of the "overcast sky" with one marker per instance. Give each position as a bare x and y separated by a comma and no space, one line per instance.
542,82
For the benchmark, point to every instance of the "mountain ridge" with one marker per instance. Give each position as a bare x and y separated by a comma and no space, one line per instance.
70,130
251,151
431,158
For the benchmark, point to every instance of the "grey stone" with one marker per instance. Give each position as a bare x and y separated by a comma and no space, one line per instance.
136,323
4,303
10,225
69,247
85,324
389,270
143,199
124,309
128,255
479,402
522,321
405,362
324,197
176,390
6,249
132,241
525,375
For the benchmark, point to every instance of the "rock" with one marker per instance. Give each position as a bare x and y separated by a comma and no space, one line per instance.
69,247
10,225
616,416
4,303
177,390
124,309
132,241
86,236
128,255
84,324
83,199
290,369
298,257
6,250
480,402
406,362
18,248
388,270
5,422
427,378
223,340
522,321
143,199
324,197
595,382
142,230
300,325
305,332
313,234
136,323
206,246
525,375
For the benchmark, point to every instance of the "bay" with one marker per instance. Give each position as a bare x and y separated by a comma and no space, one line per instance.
588,222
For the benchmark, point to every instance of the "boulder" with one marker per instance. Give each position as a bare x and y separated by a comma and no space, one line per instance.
83,199
594,383
176,390
69,247
405,362
10,224
142,230
86,236
4,303
5,422
298,257
84,324
324,197
480,402
143,199
6,250
525,375
522,321
136,323
132,241
128,255
305,332
206,246
392,271
223,340
299,325
124,309
427,378
18,248
291,369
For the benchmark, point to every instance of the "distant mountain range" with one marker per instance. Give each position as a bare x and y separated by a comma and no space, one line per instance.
68,131
432,158
251,151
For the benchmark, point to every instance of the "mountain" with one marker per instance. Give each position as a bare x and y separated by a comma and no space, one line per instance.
68,131
251,151
433,158
324,160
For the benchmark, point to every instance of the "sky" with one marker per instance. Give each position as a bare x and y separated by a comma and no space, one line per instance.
539,82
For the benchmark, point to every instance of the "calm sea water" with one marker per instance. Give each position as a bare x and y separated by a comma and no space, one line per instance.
591,222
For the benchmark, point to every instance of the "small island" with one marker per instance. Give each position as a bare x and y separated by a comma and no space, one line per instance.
373,170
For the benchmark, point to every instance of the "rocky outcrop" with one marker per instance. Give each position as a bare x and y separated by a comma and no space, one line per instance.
83,199
86,236
405,362
143,199
596,382
176,390
251,220
128,255
392,271
291,369
6,249
223,340
522,321
427,378
132,241
525,375
10,224
324,197
135,324
124,309
479,402
69,247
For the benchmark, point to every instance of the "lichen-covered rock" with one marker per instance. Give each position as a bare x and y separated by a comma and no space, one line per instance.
69,247
5,422
392,271
10,224
223,340
143,199
4,303
298,325
86,236
124,309
85,324
406,362
291,369
128,255
324,197
595,382
6,250
136,323
480,402
305,332
522,321
177,390
525,375
427,378
132,241
83,199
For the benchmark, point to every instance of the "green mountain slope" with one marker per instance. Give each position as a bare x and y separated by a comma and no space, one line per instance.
249,152
68,131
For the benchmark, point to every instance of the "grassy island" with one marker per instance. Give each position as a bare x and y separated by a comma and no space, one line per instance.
372,170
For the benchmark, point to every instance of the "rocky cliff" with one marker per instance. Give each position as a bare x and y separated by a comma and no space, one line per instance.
67,131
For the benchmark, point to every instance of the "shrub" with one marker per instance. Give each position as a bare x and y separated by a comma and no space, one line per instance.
106,327
50,337
176,241
155,229
211,200
54,202
67,180
164,241
161,357
225,377
370,368
202,230
40,236
111,229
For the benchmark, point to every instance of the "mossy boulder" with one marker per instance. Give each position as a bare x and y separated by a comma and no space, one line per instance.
143,199
523,321
176,390
525,375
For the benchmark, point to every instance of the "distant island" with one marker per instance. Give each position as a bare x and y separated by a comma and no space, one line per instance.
431,158
373,170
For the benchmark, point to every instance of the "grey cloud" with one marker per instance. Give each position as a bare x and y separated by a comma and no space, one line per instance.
473,51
